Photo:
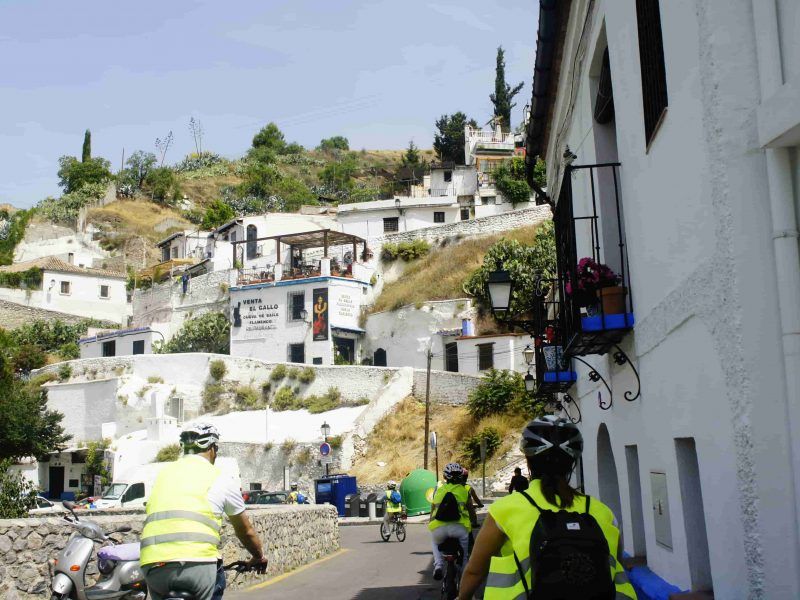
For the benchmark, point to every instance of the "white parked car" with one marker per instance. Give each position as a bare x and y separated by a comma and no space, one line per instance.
44,506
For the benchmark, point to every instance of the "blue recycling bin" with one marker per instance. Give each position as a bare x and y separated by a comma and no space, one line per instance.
334,489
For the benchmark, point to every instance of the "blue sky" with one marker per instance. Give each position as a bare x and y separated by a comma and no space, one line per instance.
377,72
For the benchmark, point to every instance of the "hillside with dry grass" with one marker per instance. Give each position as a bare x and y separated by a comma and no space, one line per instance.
441,274
396,445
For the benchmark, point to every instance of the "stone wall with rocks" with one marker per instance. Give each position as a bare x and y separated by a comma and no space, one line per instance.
13,315
292,536
472,227
446,387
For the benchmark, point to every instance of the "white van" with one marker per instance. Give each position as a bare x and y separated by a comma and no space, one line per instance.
133,490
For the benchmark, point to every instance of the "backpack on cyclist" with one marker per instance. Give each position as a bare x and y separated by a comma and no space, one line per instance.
569,557
395,497
448,511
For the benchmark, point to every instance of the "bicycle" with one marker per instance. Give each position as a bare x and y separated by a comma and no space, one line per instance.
395,525
239,566
452,554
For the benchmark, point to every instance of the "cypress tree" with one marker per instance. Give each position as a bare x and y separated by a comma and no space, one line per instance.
86,156
503,93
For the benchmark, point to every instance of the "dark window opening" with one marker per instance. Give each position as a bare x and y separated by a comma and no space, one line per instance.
391,224
465,214
379,358
438,217
448,176
73,483
451,357
297,303
110,348
651,58
317,360
485,356
65,287
604,103
138,347
297,353
104,291
165,254
252,234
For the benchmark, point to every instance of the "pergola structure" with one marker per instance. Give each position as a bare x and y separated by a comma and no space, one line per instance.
320,238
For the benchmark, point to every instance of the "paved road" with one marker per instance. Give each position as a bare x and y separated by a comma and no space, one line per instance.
369,569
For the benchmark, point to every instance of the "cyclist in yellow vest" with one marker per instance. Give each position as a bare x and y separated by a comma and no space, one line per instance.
457,528
294,494
181,535
552,447
392,508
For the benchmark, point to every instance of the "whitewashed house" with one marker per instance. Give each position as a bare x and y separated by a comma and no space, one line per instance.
92,293
118,342
300,308
379,217
476,354
184,244
670,131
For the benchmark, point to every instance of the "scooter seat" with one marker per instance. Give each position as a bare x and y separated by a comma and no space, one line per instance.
180,596
120,552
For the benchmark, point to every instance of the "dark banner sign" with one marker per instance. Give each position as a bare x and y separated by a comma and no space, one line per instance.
320,314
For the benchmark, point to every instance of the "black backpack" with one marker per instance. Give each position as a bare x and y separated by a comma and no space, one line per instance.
569,557
447,510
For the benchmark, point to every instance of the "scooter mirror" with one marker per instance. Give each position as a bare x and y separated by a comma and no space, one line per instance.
70,506
123,529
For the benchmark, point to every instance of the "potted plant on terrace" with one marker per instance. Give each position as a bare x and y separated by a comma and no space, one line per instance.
595,283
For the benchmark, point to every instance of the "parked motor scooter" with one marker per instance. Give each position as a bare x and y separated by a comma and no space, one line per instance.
121,575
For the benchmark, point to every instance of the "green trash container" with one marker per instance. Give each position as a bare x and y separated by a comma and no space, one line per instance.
416,489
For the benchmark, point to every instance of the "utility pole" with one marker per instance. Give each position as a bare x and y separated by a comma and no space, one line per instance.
428,407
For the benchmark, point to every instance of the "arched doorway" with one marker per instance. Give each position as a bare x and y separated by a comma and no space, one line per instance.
379,358
608,482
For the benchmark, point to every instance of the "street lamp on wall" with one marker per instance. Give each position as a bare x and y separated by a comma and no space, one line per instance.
500,287
530,383
325,430
527,355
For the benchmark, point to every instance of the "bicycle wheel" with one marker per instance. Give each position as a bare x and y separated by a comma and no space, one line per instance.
450,583
400,532
386,531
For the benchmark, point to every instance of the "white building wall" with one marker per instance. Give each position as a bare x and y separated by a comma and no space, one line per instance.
507,353
707,340
84,296
93,348
368,224
464,182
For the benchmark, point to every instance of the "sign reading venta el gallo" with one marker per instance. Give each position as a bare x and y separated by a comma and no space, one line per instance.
254,318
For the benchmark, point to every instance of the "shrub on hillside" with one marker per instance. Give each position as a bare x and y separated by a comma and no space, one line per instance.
406,251
471,446
284,399
169,453
307,375
304,457
207,333
247,398
195,161
278,373
65,209
217,369
64,372
163,186
497,392
212,397
293,373
328,401
69,351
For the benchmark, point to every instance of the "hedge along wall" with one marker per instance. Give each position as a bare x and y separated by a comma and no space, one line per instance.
292,536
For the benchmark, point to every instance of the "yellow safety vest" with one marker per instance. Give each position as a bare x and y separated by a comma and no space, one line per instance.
392,507
292,499
516,517
462,496
180,523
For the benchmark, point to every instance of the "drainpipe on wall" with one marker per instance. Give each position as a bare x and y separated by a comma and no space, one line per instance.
784,234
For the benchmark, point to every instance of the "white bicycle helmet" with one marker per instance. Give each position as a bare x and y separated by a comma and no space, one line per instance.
452,471
391,485
199,437
293,486
552,444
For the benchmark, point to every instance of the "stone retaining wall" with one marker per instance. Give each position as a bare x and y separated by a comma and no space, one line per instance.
472,227
446,387
292,536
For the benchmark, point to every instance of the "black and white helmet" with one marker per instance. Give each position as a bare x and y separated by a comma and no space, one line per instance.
391,485
549,433
199,436
452,471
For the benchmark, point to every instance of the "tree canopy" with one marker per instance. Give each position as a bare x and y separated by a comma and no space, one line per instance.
503,93
207,333
510,180
74,174
217,213
86,153
337,142
448,141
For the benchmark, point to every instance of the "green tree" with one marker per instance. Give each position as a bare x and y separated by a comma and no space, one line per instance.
412,157
86,154
503,93
270,137
139,165
74,174
540,173
28,427
163,186
496,393
337,142
66,208
169,453
96,461
339,174
294,193
217,213
448,141
207,333
510,180
17,494
258,179
525,264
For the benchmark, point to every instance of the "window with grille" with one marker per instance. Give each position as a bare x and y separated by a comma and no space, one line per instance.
104,291
448,176
65,287
451,357
485,356
651,58
464,214
297,303
110,348
297,353
138,347
438,217
391,224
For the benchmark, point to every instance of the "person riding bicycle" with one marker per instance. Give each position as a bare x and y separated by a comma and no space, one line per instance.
476,501
295,496
576,541
450,515
181,536
394,502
